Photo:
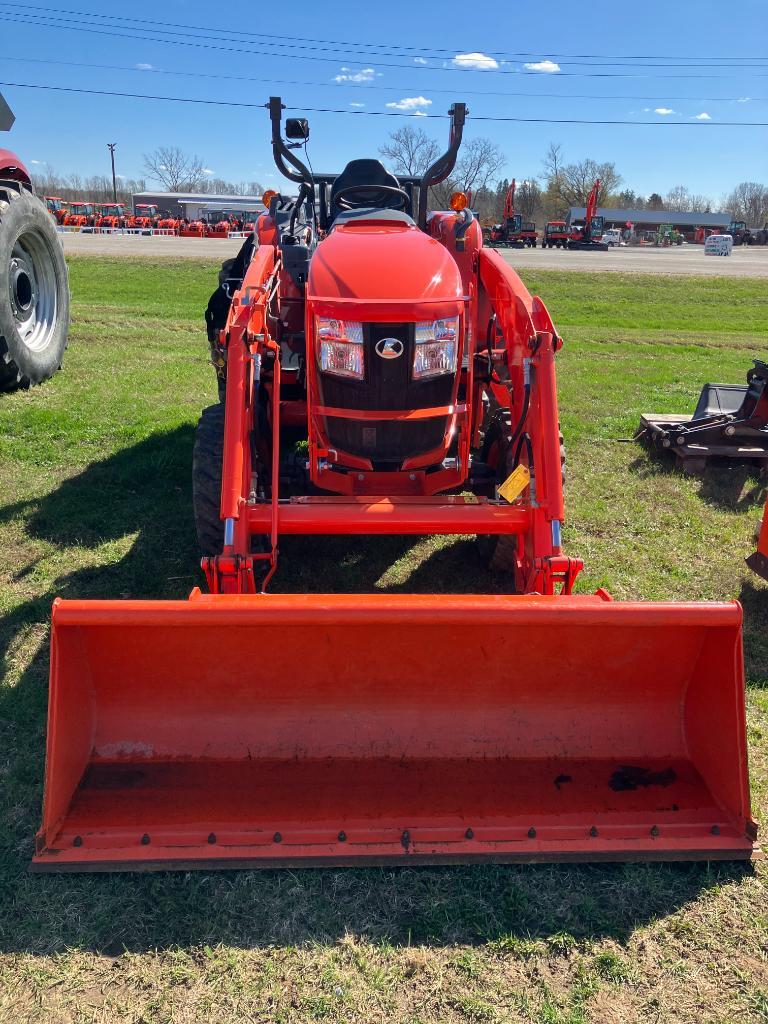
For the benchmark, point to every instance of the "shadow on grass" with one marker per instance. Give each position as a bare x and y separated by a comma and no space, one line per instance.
143,495
724,484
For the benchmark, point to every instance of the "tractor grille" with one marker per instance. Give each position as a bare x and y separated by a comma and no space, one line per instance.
388,385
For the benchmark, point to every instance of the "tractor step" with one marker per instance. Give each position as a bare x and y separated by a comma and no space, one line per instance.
446,514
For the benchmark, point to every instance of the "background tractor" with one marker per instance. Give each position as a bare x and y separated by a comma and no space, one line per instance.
34,292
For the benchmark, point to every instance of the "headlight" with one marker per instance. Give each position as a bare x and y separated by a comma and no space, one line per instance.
341,347
436,347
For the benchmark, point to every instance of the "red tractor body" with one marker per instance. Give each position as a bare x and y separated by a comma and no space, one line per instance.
555,235
57,208
146,215
111,215
80,215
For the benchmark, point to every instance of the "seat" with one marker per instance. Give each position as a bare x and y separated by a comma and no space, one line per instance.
366,172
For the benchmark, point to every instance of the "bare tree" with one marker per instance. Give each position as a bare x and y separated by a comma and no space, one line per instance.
479,162
553,162
410,150
570,184
749,202
175,169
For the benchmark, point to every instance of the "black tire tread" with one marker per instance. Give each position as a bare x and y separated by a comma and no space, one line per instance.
11,375
207,458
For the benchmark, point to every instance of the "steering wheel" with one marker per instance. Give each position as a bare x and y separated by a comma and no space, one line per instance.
382,193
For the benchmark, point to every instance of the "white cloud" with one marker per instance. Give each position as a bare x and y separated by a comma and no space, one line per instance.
411,103
419,113
207,170
703,116
547,67
744,99
419,60
664,111
145,67
475,61
35,161
357,104
347,75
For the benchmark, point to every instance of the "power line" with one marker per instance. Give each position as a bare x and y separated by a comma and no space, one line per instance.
60,24
385,88
439,52
385,113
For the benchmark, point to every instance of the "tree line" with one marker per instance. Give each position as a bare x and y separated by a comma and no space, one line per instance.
410,151
561,184
168,168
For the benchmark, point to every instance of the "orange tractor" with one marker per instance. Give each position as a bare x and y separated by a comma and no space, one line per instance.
192,228
111,215
166,222
246,728
146,215
80,215
555,235
57,208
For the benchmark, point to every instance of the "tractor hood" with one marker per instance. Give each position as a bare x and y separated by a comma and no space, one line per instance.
390,265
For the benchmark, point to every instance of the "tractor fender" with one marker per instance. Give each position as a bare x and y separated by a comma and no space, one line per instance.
12,167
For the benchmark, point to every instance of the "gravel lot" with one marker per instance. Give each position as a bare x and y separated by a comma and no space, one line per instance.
749,261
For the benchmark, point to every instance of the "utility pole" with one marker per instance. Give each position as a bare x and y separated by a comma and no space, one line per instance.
111,146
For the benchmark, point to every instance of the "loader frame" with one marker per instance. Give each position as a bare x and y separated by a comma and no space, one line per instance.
389,502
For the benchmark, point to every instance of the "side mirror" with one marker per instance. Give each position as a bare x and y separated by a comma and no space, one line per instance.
297,128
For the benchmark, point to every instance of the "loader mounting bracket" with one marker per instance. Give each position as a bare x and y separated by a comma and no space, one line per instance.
230,574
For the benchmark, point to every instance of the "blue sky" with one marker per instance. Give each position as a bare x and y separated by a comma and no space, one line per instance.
670,62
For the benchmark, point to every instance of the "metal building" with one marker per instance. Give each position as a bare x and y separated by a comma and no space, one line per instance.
196,205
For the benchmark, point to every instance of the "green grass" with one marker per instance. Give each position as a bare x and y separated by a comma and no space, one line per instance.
95,485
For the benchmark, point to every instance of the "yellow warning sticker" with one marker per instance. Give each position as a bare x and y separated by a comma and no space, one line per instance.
515,484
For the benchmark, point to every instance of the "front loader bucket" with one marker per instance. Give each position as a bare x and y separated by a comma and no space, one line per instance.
226,731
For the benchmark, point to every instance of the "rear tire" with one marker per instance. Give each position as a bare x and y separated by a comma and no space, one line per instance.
207,459
34,291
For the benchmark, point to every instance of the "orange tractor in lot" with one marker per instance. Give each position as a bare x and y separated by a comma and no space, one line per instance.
80,215
246,728
146,215
111,215
57,208
556,235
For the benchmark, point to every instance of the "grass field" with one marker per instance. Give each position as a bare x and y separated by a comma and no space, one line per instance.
95,502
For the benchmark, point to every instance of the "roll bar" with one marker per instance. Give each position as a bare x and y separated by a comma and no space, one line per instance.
443,166
434,174
281,152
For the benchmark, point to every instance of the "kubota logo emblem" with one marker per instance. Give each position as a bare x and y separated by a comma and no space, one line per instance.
390,348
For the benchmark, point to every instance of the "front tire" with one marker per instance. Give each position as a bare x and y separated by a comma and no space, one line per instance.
207,459
34,290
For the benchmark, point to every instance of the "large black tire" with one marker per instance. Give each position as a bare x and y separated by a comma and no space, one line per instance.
207,458
34,290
